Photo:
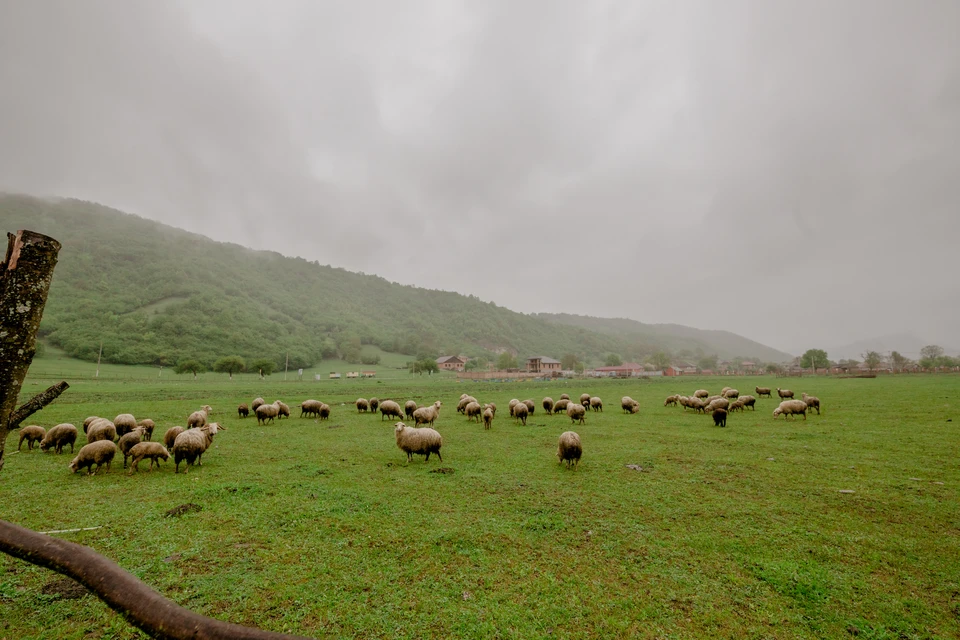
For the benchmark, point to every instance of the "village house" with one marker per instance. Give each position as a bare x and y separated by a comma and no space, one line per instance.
451,363
543,364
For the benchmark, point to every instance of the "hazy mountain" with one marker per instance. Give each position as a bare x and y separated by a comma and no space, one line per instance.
907,344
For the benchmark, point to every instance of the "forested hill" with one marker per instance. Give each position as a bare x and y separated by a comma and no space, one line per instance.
156,294
673,337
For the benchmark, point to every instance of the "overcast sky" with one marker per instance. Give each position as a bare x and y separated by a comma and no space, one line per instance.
787,170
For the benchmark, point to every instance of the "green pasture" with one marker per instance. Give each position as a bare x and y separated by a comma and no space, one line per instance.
323,529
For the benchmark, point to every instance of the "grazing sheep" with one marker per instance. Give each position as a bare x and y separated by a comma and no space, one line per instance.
409,407
427,414
190,445
596,404
736,405
101,430
701,393
531,406
548,405
267,412
473,411
492,406
731,394
283,411
629,405
422,441
148,427
207,409
520,412
389,408
719,403
569,449
153,450
511,405
256,403
88,422
124,423
487,418
464,401
711,399
310,408
671,400
561,405
811,401
784,393
464,395
97,453
791,408
374,403
576,412
724,390
699,405
243,411
564,396
171,436
32,434
749,401
585,399
719,417
762,391
128,441
197,419
363,405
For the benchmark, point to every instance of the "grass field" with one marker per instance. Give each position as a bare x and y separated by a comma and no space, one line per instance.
323,529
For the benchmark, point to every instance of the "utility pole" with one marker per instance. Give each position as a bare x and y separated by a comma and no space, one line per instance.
286,367
97,374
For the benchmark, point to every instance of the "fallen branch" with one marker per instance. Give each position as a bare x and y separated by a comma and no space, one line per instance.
36,403
122,591
46,533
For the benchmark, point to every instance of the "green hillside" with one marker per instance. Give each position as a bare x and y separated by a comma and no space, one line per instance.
154,294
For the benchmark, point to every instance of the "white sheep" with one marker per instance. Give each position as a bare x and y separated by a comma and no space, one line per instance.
596,404
391,409
267,412
576,412
473,411
629,405
98,453
124,423
59,437
422,441
811,401
427,414
101,429
569,448
190,445
153,450
790,408
487,418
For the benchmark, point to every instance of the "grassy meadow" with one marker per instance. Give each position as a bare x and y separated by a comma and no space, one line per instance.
323,529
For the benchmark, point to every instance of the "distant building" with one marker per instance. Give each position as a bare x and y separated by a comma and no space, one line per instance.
353,374
368,374
451,363
334,375
673,371
543,364
625,370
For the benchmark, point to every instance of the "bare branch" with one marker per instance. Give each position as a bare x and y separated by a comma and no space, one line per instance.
35,404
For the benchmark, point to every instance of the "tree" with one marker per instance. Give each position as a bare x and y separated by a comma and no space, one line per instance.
189,366
229,365
476,364
426,365
661,360
929,356
578,367
872,359
707,362
736,364
264,366
569,361
613,360
773,367
506,360
814,359
899,361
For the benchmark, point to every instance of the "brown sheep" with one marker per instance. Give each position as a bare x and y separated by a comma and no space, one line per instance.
473,411
596,404
409,407
671,400
487,418
520,412
561,405
719,418
374,404
585,399
363,405
243,411
548,405
531,406
98,453
576,412
748,401
784,393
148,427
171,436
629,405
564,396
388,408
101,430
731,394
31,434
811,401
762,391
701,393
153,450
569,449
124,423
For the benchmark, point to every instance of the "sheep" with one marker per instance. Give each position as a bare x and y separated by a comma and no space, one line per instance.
363,405
101,429
190,445
256,403
531,406
569,449
487,418
473,411
310,408
148,427
374,403
267,412
153,450
701,393
560,406
762,391
784,393
124,423
724,390
88,422
596,404
564,396
464,401
711,399
128,441
811,401
97,453
511,405
699,405
243,411
389,408
547,405
197,419
464,395
736,405
789,408
283,409
520,412
671,400
576,412
171,436
421,441
731,393
749,401
324,411
629,405
585,399
427,414
31,434
492,406
719,417
409,407
207,409
719,403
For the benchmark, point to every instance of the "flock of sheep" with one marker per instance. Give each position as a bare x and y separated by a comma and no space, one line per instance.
730,400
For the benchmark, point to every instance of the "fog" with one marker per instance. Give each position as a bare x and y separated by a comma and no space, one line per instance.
785,170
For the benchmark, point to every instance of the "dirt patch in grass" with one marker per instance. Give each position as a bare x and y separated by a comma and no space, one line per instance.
443,470
66,588
176,512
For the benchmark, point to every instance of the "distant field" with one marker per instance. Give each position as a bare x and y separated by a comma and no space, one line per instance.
323,529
